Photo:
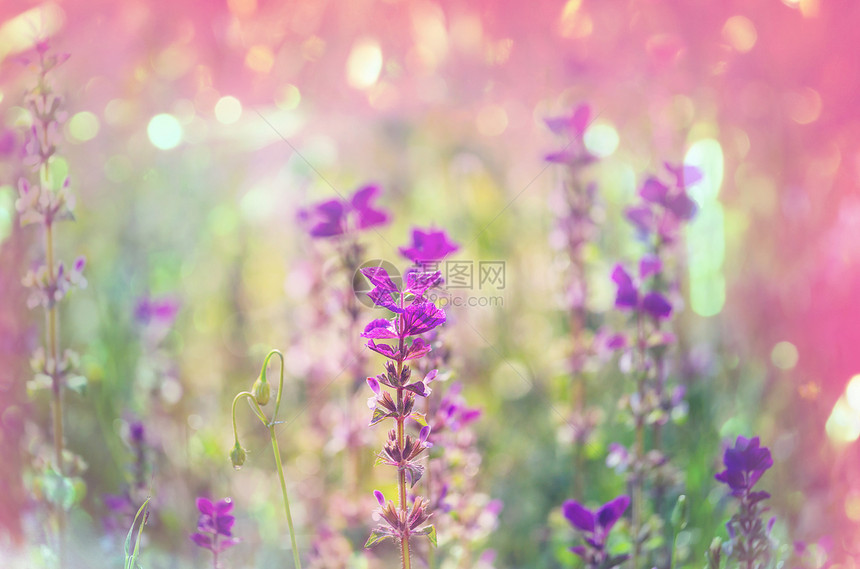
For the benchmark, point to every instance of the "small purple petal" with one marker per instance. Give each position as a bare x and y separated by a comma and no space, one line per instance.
379,497
205,506
653,190
612,511
428,245
380,329
204,541
580,517
379,278
656,305
627,295
374,385
649,265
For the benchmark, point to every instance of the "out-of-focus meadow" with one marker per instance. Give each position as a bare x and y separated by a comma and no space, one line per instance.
198,133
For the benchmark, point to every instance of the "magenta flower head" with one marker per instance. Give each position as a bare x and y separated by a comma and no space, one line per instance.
158,311
571,126
332,218
745,463
428,246
629,297
595,527
665,205
215,525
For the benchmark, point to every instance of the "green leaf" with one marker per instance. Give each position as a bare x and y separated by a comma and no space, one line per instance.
376,536
419,418
430,532
378,415
59,489
131,557
78,384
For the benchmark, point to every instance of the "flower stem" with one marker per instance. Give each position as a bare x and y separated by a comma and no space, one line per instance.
401,475
277,452
54,358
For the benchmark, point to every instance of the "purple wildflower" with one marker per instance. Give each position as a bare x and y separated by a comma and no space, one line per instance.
572,127
665,205
336,217
595,525
215,526
159,311
413,316
628,295
428,246
745,463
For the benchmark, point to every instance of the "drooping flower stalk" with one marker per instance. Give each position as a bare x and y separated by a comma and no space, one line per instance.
413,316
257,398
44,203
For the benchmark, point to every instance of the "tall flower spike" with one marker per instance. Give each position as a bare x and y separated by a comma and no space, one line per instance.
399,340
745,463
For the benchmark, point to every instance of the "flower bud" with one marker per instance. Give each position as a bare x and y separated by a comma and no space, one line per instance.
680,513
237,456
713,553
261,391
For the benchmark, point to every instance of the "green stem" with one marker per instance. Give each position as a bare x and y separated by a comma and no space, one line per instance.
54,358
270,425
277,452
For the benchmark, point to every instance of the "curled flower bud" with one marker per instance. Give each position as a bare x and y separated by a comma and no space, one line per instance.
237,456
261,391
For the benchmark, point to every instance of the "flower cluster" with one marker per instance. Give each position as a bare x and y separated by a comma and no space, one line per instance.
572,126
665,204
749,536
413,316
337,217
215,527
647,296
595,527
428,246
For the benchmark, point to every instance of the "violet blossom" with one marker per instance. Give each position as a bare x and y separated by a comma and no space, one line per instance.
665,205
399,340
215,527
332,218
595,525
745,463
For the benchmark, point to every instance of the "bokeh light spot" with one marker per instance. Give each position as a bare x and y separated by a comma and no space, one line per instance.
83,126
228,110
242,7
739,32
288,97
164,131
706,235
260,58
601,140
492,120
804,106
843,425
852,506
364,64
852,393
784,355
